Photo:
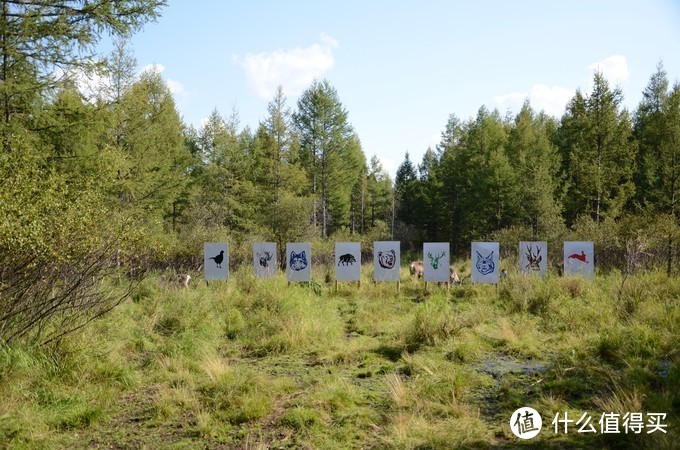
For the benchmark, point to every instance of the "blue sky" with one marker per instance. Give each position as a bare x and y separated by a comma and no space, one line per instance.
401,68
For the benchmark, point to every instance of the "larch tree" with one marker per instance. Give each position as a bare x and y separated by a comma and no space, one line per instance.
649,131
599,153
41,38
535,162
59,235
329,151
379,190
153,171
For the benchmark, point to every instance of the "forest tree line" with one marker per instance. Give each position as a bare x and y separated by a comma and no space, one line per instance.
107,178
597,173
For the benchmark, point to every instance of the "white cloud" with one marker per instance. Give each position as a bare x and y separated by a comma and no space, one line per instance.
177,88
432,140
614,68
293,69
160,68
389,164
551,99
98,85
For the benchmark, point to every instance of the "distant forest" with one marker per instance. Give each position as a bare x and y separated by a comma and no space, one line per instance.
109,177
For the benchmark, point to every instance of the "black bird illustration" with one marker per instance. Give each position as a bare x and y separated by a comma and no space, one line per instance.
218,259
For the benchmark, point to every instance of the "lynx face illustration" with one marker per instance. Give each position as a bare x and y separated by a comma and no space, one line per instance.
387,259
485,264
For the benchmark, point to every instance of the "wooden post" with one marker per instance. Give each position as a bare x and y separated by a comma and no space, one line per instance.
336,286
398,286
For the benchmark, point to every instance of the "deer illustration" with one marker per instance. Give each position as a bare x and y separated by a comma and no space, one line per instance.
534,260
434,260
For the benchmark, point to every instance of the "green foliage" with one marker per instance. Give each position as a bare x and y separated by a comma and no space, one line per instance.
152,170
231,364
330,151
41,36
598,153
57,243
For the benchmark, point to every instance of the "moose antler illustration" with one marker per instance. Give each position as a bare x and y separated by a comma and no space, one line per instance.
434,260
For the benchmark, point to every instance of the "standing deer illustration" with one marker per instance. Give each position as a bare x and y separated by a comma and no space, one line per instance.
534,260
434,260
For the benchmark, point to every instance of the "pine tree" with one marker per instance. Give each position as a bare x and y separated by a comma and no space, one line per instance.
669,157
279,178
535,162
329,151
487,183
379,190
598,153
428,207
648,130
152,173
40,37
58,236
226,196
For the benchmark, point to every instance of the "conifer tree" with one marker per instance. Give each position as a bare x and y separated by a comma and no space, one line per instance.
330,152
598,153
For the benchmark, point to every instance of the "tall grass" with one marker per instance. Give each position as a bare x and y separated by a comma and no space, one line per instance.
251,363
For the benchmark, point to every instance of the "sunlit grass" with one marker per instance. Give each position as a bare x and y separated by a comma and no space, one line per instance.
255,364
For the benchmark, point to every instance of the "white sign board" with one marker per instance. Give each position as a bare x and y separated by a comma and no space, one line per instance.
264,259
348,261
216,260
533,258
485,264
386,260
299,261
436,259
579,259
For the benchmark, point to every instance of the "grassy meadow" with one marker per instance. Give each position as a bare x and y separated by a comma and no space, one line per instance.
259,364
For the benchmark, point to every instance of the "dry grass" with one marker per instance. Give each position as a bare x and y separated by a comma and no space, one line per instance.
259,365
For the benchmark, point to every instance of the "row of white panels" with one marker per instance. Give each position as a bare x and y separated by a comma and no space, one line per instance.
578,260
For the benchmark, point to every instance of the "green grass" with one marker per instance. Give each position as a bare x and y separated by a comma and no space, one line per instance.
260,364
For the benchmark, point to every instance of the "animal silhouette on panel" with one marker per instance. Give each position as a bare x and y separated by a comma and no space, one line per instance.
347,259
264,259
485,264
581,257
387,259
533,259
218,259
298,261
434,260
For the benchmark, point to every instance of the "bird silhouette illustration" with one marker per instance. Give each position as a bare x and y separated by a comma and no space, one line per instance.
218,259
